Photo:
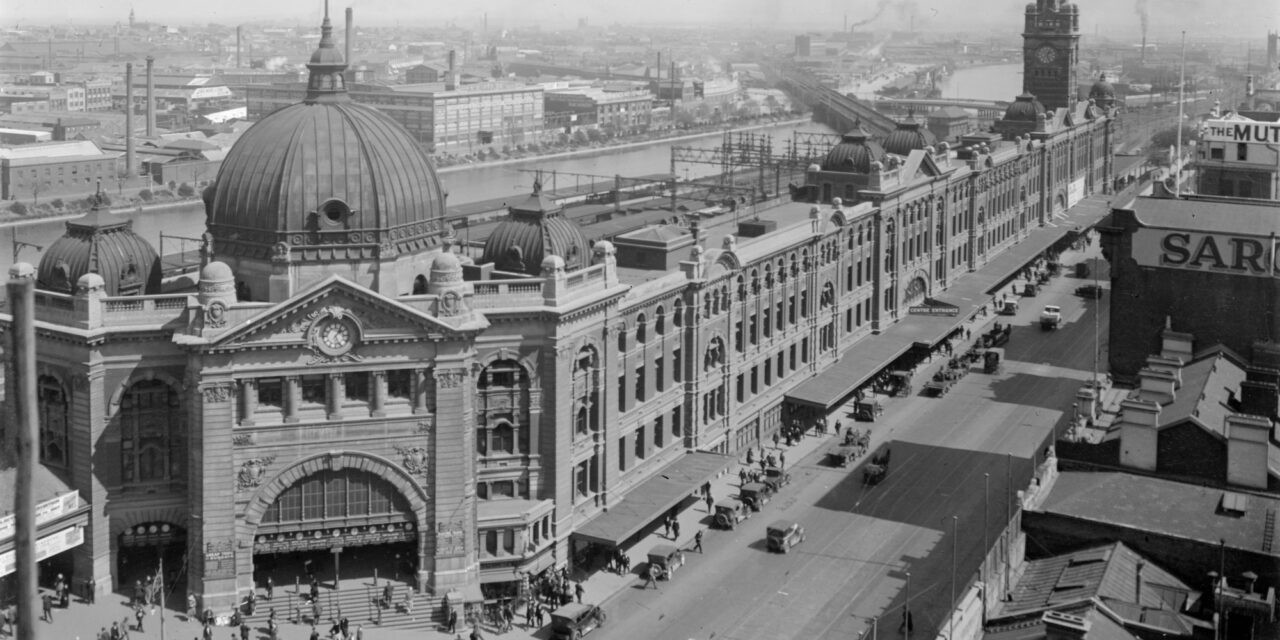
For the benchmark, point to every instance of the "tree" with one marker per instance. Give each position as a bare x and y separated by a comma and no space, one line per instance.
185,190
580,137
57,203
146,195
1161,141
594,135
18,209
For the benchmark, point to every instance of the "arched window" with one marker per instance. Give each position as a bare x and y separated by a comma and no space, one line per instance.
503,374
768,276
715,354
715,302
345,493
503,438
419,285
641,333
581,422
755,282
622,338
660,321
742,288
828,296
150,433
677,313
53,407
706,305
782,271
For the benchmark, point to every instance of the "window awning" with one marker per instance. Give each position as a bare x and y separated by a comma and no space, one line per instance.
652,499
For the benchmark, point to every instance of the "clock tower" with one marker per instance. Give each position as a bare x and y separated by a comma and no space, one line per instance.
1050,52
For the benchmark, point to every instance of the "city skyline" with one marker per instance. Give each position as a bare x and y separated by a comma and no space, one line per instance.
1109,18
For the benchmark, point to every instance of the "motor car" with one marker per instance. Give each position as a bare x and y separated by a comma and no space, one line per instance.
572,621
754,495
730,512
775,478
1089,291
1051,317
665,559
784,534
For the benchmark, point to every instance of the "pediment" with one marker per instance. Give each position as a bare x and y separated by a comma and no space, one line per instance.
330,314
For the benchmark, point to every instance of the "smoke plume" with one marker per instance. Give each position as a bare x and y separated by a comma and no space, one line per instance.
881,5
1140,6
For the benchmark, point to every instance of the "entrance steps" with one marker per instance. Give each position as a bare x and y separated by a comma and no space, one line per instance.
355,601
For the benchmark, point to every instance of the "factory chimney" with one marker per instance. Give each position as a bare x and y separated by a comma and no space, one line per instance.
128,119
451,81
659,67
1143,58
347,43
239,35
151,97
1248,92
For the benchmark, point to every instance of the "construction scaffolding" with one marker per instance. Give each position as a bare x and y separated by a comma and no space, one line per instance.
746,157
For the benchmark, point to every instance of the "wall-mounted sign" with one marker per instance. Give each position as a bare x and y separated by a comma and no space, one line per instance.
1240,131
46,547
1199,251
46,511
931,307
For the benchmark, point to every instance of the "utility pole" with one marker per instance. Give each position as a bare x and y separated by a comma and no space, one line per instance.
160,579
1177,160
955,529
23,371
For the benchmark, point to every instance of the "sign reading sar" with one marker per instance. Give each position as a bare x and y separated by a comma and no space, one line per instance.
1198,251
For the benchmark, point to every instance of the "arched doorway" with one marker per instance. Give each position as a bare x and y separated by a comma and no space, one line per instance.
142,546
340,515
916,291
1059,205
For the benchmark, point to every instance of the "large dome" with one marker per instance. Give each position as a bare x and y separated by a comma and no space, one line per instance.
103,244
1024,108
854,153
329,178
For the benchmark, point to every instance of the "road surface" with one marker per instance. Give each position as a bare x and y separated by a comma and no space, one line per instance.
862,541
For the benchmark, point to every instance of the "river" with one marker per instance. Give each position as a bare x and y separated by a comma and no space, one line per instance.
993,82
464,185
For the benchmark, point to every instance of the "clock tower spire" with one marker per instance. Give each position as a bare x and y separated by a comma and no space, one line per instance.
1050,52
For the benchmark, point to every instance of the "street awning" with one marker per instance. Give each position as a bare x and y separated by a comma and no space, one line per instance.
652,498
865,358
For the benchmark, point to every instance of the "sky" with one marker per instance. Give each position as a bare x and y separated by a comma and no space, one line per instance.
1166,17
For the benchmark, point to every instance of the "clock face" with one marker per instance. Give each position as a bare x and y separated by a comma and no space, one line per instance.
1046,54
333,337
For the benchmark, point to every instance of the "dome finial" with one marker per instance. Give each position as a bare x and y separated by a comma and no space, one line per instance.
537,184
327,82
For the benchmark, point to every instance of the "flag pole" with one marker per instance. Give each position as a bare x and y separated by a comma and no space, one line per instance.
1182,88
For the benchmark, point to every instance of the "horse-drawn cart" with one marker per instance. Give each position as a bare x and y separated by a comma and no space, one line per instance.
877,469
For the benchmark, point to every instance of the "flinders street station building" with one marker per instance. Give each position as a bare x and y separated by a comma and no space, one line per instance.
343,383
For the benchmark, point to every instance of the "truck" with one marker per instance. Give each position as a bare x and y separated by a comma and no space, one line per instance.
1051,317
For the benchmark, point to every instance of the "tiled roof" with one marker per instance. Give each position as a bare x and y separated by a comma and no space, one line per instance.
1160,506
1106,571
1207,383
1208,214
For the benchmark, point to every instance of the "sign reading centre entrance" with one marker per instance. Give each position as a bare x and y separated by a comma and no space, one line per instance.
1199,251
931,307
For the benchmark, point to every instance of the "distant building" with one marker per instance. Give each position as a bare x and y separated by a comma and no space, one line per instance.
174,93
949,123
54,168
1236,157
623,111
424,73
468,118
97,94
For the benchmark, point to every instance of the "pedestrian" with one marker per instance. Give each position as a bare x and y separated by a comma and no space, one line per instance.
244,631
475,633
271,588
775,439
315,611
315,635
710,502
140,614
742,475
675,529
315,589
137,593
697,541
388,594
47,603
751,456
192,609
539,612
579,590
666,527
408,605
782,459
528,613
92,591
124,628
359,632
453,620
115,631
507,617
651,577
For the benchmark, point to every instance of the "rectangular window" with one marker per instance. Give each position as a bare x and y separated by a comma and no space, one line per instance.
793,357
659,374
503,489
639,441
755,380
314,389
676,417
1242,151
357,499
768,372
313,498
751,329
491,543
509,541
335,497
677,370
781,362
779,313
271,392
622,394
804,350
741,387
357,386
1216,153
622,453
658,432
640,384
400,384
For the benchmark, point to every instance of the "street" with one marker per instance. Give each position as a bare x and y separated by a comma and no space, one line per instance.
861,541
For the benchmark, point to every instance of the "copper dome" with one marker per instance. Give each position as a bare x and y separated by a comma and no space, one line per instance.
1024,108
534,230
854,153
325,179
103,244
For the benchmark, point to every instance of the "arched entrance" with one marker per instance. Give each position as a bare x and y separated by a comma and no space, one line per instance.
916,291
335,510
1059,204
142,546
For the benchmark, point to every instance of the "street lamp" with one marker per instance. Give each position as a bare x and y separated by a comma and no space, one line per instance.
906,609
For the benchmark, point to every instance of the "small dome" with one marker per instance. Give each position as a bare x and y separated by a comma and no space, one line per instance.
552,264
1025,108
446,269
907,137
90,282
103,244
20,270
1102,92
853,154
534,230
216,272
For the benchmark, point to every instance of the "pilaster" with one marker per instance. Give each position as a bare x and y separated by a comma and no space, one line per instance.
454,561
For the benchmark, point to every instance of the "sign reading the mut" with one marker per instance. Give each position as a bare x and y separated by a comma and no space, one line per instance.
1241,131
1198,251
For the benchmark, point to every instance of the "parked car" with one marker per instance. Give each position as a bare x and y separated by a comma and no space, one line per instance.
754,495
775,478
573,621
664,559
785,534
730,512
1089,291
1051,317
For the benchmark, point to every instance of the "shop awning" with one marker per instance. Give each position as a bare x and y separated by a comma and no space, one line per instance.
865,358
60,517
653,498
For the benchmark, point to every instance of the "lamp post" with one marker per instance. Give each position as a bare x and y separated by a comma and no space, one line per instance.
951,614
906,609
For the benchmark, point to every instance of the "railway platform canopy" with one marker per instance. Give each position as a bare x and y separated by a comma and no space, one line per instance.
864,359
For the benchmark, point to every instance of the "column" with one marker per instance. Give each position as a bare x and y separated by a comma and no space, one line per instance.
335,394
248,401
292,398
378,399
420,382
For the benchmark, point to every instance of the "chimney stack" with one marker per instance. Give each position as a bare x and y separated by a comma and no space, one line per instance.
151,97
1137,586
1143,56
659,67
128,119
239,34
451,81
